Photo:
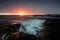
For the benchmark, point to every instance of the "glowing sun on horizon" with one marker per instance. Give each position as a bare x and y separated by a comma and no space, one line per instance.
21,13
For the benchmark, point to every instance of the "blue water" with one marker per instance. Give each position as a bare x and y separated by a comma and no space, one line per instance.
31,26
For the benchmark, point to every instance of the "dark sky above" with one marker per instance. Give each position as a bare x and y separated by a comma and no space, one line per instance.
33,6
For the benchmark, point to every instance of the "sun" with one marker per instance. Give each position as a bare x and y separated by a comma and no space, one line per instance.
21,13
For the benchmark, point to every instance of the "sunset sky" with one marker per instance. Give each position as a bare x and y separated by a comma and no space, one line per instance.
34,7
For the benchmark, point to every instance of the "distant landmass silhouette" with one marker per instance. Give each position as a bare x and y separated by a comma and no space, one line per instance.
18,17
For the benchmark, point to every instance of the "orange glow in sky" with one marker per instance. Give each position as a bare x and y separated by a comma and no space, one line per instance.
23,12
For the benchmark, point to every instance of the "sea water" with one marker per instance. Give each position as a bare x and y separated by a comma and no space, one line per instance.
31,26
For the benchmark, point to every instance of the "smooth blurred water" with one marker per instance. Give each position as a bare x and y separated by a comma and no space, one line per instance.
31,26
